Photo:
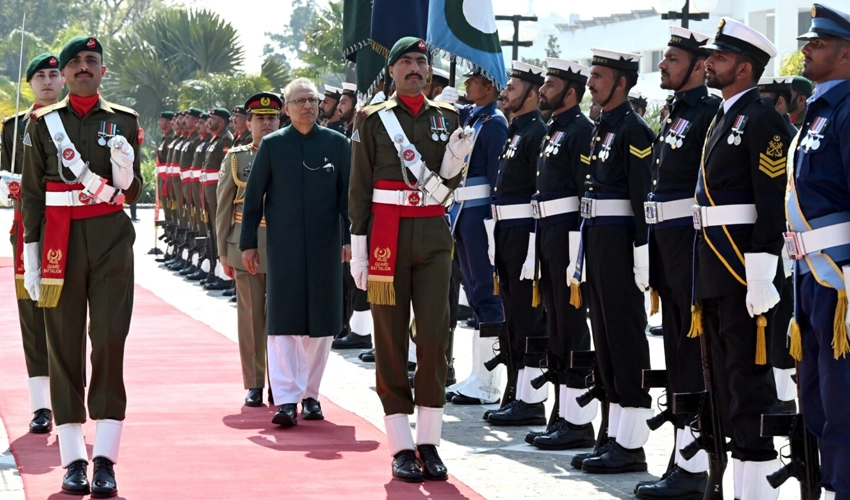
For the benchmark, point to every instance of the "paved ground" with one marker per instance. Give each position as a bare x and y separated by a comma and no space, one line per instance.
494,461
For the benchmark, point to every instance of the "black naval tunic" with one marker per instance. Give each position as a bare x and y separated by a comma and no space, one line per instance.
561,172
676,159
750,172
515,184
618,171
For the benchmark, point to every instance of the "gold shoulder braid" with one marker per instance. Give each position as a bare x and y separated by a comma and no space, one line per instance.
234,171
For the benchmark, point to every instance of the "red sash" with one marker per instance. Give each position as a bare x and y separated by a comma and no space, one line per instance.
57,229
18,231
384,241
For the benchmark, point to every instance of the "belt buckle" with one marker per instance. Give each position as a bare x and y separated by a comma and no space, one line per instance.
494,212
650,212
535,210
587,208
696,213
411,198
793,245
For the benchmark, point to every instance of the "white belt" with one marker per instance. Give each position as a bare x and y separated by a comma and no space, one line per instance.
508,212
161,169
723,215
472,192
655,212
185,174
195,173
550,208
591,207
402,198
76,198
801,244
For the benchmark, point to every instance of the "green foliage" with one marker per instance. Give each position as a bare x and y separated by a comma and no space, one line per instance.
221,90
792,65
315,35
149,178
652,117
277,73
553,48
291,40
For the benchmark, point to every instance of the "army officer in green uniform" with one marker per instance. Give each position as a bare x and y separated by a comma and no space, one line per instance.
401,250
78,256
299,180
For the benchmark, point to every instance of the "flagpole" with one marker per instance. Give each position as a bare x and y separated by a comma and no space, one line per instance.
18,96
452,71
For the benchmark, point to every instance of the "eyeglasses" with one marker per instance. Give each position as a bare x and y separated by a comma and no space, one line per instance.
301,102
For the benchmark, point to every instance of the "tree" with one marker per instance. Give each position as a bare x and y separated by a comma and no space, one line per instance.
322,52
289,42
277,73
553,48
792,65
220,90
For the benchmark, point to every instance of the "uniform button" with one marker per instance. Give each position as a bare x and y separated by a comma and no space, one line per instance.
654,183
669,120
660,139
498,171
590,189
594,157
538,192
587,176
538,174
540,155
657,161
547,137
495,189
598,139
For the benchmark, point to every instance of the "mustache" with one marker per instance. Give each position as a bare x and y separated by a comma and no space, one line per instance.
414,75
84,72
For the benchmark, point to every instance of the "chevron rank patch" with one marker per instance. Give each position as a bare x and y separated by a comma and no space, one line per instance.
773,161
584,159
640,153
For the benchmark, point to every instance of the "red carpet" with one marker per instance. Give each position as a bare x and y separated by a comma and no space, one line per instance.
186,435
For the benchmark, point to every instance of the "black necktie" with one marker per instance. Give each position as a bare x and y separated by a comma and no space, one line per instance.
720,114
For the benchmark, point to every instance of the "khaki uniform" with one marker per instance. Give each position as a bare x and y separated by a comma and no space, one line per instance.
187,154
423,265
218,146
175,189
98,282
250,288
197,163
162,185
31,317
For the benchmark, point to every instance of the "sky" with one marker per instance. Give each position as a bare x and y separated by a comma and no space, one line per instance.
243,15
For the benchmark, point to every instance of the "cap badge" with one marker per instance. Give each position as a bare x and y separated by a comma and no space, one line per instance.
265,101
91,43
52,61
720,27
814,11
421,44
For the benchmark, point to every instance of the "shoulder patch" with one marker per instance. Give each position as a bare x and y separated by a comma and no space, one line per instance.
444,105
124,109
27,141
141,135
356,136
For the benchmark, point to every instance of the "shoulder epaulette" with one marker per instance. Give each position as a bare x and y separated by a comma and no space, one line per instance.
238,149
372,108
22,113
444,105
48,109
124,109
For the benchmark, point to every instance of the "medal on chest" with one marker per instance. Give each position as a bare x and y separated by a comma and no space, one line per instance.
512,146
737,131
553,147
106,131
815,133
200,147
439,129
676,135
605,153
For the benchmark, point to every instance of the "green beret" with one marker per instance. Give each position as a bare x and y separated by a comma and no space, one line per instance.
405,45
43,61
220,112
194,112
205,116
77,45
168,115
802,85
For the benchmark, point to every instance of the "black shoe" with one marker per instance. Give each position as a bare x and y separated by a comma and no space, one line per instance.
232,299
656,330
433,468
470,322
197,275
353,341
367,356
450,395
654,481
521,413
451,379
217,284
460,399
103,480
567,437
406,467
311,409
42,421
189,270
75,481
487,413
271,397
616,461
579,458
679,484
532,435
786,407
254,397
287,415
229,292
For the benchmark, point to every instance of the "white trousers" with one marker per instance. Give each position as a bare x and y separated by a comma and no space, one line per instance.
296,366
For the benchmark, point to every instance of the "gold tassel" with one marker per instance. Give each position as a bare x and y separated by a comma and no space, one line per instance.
495,284
796,350
840,344
50,295
655,302
381,293
21,291
696,321
761,343
575,293
535,294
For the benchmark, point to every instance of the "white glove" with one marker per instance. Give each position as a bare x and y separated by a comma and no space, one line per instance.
527,272
121,156
378,98
846,272
641,267
456,150
575,242
490,228
359,260
787,262
448,96
97,188
761,294
32,269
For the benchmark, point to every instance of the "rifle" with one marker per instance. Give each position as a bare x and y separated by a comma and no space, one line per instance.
536,353
654,379
595,390
707,422
805,463
504,356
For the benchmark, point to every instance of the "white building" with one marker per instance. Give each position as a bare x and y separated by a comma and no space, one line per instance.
645,33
